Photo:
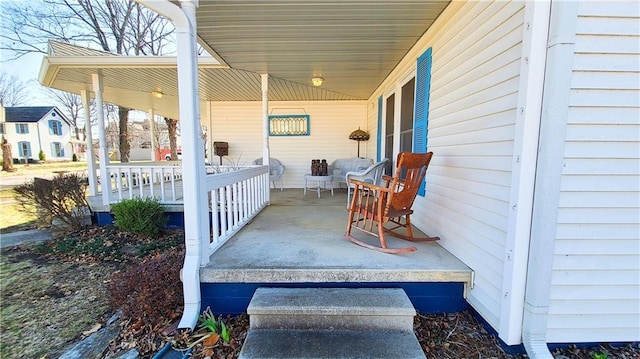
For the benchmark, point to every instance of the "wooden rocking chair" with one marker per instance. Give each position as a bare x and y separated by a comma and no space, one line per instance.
372,204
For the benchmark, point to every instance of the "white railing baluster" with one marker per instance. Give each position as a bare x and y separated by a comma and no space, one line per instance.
163,195
215,213
240,199
173,184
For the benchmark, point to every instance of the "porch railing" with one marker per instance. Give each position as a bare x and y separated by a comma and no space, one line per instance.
235,198
235,195
162,180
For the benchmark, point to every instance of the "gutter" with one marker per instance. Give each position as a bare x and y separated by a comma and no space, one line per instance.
553,122
196,224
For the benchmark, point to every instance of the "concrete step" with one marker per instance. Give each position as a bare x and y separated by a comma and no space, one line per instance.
331,308
352,344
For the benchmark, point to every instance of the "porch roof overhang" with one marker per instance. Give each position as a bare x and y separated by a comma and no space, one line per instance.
353,45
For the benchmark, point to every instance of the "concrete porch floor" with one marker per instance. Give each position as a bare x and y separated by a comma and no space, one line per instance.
300,239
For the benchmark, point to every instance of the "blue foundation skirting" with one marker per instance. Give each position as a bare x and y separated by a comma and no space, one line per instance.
175,219
234,298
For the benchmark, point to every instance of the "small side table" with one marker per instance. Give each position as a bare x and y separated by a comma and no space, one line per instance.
321,183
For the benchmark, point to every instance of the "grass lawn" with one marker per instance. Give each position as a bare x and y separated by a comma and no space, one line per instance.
13,218
44,168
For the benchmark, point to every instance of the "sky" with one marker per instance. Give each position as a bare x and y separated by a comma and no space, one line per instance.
26,69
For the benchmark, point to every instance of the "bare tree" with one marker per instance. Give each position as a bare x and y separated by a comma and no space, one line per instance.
12,91
117,26
172,126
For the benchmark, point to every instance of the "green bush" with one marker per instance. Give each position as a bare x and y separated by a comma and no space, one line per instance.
74,158
41,156
140,216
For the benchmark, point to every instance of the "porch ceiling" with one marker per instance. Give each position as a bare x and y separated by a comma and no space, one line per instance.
353,45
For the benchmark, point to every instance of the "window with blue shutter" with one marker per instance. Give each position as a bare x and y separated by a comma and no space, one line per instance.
24,149
22,128
421,118
55,127
56,149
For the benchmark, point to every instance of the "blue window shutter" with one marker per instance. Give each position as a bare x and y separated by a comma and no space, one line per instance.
53,149
51,130
421,115
379,137
20,152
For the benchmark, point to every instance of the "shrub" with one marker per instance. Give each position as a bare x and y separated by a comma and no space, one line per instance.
150,292
41,156
60,198
140,216
74,158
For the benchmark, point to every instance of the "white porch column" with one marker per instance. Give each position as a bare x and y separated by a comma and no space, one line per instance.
523,164
152,128
102,138
90,153
265,126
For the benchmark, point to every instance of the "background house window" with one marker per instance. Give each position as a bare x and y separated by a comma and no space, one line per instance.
289,125
57,150
24,149
55,127
22,128
2,130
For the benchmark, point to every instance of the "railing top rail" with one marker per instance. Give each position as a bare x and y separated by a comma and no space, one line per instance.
145,164
218,180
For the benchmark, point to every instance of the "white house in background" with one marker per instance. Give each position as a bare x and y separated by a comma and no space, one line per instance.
30,130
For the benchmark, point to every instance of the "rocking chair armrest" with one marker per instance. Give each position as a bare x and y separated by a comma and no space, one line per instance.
369,186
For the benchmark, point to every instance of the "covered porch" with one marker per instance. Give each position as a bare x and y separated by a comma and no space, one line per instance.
298,240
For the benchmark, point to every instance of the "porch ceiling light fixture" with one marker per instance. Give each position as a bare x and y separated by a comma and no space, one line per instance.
359,135
157,94
317,81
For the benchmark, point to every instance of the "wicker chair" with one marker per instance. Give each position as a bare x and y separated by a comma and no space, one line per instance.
373,175
276,171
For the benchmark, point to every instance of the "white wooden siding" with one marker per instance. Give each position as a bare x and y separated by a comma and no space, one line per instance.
474,83
595,285
240,124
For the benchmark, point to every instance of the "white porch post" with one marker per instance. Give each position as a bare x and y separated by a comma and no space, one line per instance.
152,128
90,153
265,126
525,152
102,138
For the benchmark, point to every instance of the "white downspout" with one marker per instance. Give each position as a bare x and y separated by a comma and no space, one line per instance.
553,124
195,204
